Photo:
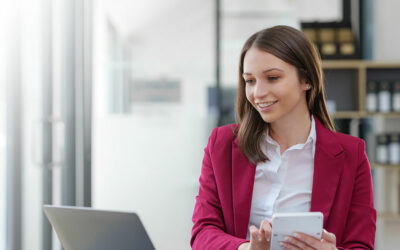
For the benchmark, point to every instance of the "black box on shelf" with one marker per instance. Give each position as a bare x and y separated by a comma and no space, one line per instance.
334,40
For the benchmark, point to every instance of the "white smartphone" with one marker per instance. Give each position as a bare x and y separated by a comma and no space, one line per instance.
288,223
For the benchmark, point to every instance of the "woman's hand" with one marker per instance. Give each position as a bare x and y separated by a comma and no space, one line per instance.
259,237
304,241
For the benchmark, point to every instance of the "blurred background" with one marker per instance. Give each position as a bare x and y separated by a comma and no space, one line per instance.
109,103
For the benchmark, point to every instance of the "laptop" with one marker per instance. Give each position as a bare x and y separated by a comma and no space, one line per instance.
81,228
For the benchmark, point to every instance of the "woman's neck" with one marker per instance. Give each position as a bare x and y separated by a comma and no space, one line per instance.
290,131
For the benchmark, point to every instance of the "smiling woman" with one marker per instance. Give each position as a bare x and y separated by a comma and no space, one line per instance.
283,155
274,89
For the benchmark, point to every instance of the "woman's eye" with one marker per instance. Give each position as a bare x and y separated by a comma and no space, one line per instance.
273,78
249,81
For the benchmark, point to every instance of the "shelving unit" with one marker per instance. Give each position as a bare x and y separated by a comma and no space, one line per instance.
346,82
356,73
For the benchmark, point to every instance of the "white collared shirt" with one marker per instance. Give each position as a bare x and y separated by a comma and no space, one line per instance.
284,183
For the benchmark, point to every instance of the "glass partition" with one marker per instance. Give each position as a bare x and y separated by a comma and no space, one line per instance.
153,66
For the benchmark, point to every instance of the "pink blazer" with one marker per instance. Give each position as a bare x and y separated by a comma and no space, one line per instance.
342,191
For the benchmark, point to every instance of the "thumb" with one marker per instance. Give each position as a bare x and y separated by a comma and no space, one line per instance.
328,237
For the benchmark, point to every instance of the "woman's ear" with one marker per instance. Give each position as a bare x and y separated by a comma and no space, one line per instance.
306,85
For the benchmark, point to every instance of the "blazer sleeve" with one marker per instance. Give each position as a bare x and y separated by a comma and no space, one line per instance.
208,230
360,227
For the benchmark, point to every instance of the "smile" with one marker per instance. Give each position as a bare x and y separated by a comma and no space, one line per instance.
266,104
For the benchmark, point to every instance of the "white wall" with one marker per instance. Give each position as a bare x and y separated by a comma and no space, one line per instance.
4,17
387,32
31,84
386,48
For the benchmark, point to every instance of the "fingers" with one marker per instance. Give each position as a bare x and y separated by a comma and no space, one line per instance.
304,241
265,230
299,239
329,237
258,237
255,235
291,242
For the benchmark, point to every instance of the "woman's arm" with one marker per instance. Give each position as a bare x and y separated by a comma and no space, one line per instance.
361,221
208,231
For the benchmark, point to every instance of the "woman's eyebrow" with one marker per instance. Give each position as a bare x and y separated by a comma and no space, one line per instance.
265,71
268,70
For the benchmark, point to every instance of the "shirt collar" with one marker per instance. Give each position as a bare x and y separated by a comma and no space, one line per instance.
313,133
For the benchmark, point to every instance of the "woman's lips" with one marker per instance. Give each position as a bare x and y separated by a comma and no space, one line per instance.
266,106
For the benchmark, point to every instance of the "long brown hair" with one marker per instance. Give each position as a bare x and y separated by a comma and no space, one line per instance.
291,46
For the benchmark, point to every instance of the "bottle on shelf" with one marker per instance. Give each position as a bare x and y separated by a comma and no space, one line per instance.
384,97
396,96
371,100
382,151
394,149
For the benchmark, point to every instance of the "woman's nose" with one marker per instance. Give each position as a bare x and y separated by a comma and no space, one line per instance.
260,90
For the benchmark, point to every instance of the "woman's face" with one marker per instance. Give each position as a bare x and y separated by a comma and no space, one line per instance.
273,86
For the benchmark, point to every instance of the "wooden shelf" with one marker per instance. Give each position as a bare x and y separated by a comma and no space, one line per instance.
384,115
349,114
360,114
385,166
389,216
382,65
342,64
355,64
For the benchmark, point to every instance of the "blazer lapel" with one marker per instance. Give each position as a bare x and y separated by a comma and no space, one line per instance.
328,164
243,172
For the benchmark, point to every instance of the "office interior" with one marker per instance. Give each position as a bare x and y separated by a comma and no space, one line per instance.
109,104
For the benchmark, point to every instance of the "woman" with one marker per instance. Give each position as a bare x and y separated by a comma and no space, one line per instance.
282,156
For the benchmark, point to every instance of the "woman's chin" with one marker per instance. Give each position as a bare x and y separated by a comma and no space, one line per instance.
268,118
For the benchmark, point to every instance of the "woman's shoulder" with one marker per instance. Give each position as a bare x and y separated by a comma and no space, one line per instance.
224,133
349,142
337,140
347,139
334,143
